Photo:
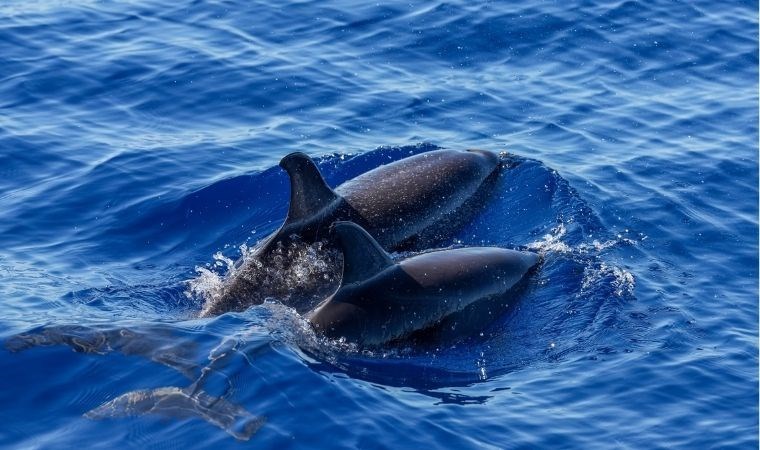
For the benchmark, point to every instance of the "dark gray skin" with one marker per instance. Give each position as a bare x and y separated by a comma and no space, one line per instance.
413,200
394,202
380,301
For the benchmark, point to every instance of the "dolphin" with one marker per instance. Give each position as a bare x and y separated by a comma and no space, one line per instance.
182,403
381,301
394,202
408,203
151,342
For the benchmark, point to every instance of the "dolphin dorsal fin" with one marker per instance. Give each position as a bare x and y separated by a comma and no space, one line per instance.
362,255
309,193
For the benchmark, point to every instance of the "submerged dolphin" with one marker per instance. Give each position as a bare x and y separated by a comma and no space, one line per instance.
415,199
380,301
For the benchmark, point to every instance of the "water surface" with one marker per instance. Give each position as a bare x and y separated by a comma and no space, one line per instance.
139,142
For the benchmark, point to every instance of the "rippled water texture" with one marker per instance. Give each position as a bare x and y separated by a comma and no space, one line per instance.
138,157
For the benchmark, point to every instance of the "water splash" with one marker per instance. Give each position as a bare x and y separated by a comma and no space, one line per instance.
604,275
552,241
297,274
596,274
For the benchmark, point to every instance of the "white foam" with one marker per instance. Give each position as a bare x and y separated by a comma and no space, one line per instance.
293,268
207,284
623,281
552,241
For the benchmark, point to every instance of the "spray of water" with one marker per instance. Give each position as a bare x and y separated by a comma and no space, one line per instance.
298,275
595,273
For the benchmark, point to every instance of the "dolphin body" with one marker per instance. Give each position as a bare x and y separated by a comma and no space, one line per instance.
408,203
380,301
394,203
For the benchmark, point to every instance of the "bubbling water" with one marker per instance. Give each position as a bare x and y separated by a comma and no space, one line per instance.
596,274
296,274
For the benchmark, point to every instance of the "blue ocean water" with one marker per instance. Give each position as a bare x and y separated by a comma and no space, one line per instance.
138,152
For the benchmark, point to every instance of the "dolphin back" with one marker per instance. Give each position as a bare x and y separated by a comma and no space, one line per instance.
426,192
380,301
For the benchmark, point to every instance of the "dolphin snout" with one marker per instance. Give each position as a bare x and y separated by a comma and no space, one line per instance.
530,259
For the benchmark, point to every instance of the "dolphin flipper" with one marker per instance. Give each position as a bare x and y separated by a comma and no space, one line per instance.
309,193
362,255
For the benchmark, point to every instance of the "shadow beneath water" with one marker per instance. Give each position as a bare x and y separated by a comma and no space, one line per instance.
157,344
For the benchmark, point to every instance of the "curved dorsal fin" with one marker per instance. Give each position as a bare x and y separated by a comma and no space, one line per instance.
308,191
362,255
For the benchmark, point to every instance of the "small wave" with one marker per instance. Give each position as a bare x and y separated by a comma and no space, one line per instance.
620,280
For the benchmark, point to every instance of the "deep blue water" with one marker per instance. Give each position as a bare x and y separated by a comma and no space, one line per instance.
138,149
